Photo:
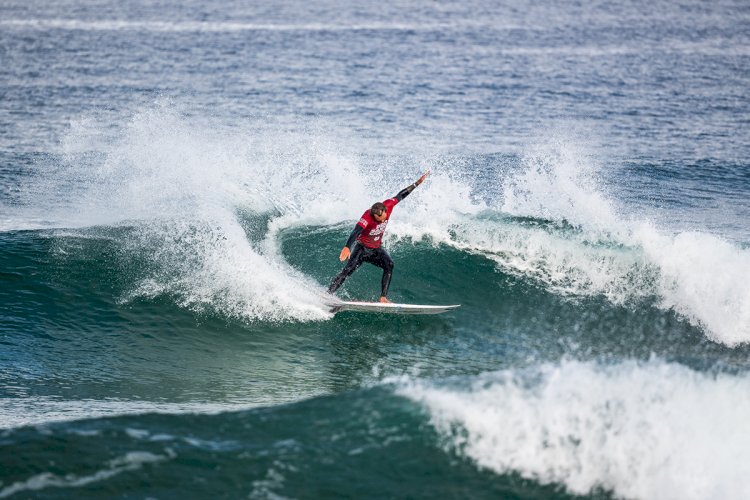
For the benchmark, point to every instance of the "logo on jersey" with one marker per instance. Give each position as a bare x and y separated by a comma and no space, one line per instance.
379,229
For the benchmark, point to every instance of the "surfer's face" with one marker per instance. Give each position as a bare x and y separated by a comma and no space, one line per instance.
379,216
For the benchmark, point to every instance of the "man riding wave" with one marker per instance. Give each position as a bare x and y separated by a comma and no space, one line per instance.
364,244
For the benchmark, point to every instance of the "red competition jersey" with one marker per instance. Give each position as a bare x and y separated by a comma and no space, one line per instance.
372,230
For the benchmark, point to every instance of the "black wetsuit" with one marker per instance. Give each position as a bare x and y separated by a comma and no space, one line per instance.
375,256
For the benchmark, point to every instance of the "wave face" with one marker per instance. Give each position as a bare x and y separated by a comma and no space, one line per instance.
214,211
635,430
177,180
630,428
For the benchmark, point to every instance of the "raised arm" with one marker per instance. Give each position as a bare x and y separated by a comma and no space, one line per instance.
408,189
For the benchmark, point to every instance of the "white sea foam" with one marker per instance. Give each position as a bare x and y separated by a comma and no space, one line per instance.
132,460
704,278
641,430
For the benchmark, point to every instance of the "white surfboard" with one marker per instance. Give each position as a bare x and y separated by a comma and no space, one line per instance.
390,308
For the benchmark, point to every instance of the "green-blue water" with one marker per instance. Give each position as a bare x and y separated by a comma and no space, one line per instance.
177,183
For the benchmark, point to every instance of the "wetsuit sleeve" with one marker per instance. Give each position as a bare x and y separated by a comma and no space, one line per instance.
353,237
405,192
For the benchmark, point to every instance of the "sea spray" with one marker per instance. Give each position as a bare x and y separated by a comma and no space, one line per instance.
188,191
559,181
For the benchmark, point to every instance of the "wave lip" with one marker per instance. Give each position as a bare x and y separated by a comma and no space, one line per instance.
650,430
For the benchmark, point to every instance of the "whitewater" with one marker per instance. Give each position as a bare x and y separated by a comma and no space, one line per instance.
194,187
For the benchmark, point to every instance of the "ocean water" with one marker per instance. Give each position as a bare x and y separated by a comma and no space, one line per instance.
177,180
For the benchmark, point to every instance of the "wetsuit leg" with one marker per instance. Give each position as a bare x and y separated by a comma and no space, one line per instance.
355,260
380,258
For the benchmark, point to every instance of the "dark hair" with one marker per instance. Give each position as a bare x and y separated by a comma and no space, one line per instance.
377,207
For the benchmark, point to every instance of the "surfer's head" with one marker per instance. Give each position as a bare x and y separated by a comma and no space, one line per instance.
378,211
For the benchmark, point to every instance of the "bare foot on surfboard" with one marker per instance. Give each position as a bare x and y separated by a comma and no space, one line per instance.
384,300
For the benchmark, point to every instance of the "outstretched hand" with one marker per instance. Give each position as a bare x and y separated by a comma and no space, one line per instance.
344,254
421,179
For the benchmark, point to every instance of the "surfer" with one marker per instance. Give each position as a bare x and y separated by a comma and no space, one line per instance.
363,244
